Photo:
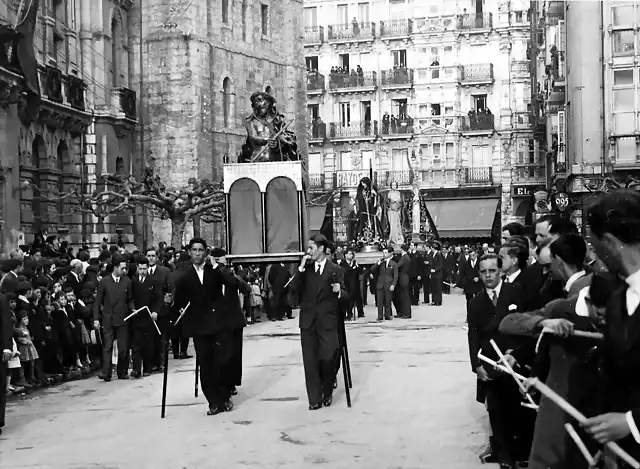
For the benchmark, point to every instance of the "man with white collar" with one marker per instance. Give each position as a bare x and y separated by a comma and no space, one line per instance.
568,253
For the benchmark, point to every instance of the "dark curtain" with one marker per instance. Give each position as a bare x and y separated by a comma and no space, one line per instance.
245,217
282,216
327,224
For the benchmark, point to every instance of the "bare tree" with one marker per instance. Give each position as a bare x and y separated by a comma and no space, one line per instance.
121,194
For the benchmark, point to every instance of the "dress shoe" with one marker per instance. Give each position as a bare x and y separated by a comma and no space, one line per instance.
176,356
146,373
487,456
315,406
215,410
123,377
136,374
327,401
234,391
228,406
105,378
185,356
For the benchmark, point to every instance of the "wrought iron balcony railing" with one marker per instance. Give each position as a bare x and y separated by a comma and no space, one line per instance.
317,130
353,129
352,80
439,177
396,28
471,21
475,73
446,122
313,34
396,126
385,178
397,77
439,74
529,172
521,120
315,81
477,122
351,32
434,24
477,175
316,181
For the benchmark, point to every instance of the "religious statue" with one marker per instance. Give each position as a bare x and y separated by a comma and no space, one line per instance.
369,212
268,134
394,214
415,207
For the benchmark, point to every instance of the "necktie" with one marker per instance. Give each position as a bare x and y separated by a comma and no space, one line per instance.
494,298
317,268
117,280
142,279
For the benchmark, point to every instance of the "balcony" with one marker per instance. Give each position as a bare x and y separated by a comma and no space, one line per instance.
439,177
317,130
395,28
313,35
435,24
75,92
397,78
438,124
316,181
477,176
521,120
128,103
478,122
475,22
315,83
364,130
529,172
439,74
53,84
385,178
346,83
396,127
477,74
353,32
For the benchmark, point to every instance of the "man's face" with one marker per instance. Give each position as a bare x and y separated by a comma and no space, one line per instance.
71,297
412,247
120,269
52,269
386,254
339,250
143,270
507,261
78,269
261,105
607,252
473,255
314,250
542,232
505,235
489,272
197,253
152,256
12,304
37,256
222,260
348,256
57,287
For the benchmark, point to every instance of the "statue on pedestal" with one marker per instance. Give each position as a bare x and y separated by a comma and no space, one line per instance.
369,212
268,134
394,214
415,207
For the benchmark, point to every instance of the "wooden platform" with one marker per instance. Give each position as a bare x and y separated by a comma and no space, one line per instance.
368,258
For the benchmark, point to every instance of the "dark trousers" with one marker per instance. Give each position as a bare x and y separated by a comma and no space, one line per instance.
213,352
364,291
384,297
235,363
436,288
414,290
503,405
179,344
278,306
111,334
426,288
319,359
142,340
445,286
3,394
355,302
402,300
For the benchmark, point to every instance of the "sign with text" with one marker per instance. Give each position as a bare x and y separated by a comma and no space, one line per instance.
525,191
350,178
561,201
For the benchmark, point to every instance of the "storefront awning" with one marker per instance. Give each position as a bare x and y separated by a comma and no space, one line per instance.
463,218
316,217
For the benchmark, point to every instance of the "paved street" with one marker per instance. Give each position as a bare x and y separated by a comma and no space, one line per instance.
413,407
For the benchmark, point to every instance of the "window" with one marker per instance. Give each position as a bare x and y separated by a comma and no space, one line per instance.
225,11
264,10
480,156
343,60
72,14
311,17
397,9
624,103
436,155
479,102
363,12
244,20
399,58
316,163
399,107
623,37
343,15
314,111
365,111
226,101
400,159
312,62
345,114
345,161
450,161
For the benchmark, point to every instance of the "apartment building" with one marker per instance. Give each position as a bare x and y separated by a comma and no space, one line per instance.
433,95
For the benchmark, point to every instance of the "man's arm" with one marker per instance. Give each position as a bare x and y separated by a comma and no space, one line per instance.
394,266
98,302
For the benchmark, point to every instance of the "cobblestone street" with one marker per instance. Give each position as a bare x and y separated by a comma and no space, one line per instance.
413,407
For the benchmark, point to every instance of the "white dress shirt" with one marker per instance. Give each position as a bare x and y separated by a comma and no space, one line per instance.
572,280
319,266
115,279
200,271
512,277
152,269
496,289
633,301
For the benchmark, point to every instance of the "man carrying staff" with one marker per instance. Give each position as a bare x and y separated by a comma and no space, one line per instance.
206,320
319,284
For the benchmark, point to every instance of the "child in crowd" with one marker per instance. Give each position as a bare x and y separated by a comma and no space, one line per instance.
27,351
255,302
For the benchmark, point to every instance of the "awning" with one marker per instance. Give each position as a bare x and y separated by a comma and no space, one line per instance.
463,218
316,217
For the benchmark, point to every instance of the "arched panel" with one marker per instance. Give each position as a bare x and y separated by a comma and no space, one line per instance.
245,217
283,233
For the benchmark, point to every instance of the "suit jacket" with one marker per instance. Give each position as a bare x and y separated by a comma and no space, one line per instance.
404,265
206,314
319,305
449,264
232,309
114,300
74,283
467,274
415,267
162,283
437,263
9,283
6,325
385,276
144,294
351,277
484,320
278,278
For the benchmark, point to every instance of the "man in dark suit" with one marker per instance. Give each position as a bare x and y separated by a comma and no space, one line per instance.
160,279
209,323
486,311
278,278
469,279
415,274
448,269
114,302
437,266
6,349
427,257
352,283
141,325
74,277
385,273
9,282
402,297
320,286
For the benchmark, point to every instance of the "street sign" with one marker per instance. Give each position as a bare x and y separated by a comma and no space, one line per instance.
561,201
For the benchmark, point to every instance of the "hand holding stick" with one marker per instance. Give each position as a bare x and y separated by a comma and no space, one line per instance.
580,418
500,367
511,372
182,311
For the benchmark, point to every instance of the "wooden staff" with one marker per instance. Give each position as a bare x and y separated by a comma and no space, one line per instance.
134,313
197,376
165,375
580,418
511,372
266,147
500,367
589,335
184,310
580,444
